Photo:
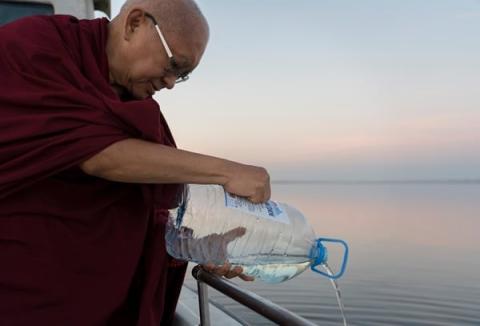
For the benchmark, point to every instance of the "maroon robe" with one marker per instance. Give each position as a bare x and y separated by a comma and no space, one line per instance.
76,249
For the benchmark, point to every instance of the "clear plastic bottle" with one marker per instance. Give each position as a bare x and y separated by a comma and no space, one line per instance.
271,241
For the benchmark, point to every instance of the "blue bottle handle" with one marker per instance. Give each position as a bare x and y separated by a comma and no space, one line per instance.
322,257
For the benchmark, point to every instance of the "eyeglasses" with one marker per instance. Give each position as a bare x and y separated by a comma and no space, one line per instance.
173,63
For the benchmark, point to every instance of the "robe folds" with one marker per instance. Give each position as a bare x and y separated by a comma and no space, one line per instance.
76,249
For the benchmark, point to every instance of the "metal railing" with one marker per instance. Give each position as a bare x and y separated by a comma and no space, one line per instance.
262,306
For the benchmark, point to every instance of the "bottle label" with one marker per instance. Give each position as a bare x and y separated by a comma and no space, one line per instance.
269,210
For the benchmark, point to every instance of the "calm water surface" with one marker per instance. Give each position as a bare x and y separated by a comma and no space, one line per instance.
415,255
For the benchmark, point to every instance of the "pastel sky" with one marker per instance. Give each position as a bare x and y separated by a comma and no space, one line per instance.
316,89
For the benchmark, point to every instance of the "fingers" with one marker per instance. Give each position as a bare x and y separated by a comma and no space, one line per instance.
268,192
234,233
247,181
263,194
209,267
221,270
237,271
234,272
246,278
226,271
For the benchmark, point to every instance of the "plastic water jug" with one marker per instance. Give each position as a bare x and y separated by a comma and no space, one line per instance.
271,241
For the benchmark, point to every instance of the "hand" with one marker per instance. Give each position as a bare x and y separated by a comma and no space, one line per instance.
214,247
227,271
222,241
248,181
210,248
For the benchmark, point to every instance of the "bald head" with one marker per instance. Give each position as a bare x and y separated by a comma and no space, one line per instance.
181,18
137,58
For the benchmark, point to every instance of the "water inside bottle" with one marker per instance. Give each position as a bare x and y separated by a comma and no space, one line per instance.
272,268
337,292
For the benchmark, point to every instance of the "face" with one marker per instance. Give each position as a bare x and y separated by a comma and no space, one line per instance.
146,67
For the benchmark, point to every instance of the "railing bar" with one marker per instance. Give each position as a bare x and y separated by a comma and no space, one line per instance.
249,299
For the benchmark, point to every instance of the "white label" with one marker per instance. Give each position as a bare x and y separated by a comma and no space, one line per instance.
269,210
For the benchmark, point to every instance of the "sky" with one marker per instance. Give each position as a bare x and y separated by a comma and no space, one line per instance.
336,90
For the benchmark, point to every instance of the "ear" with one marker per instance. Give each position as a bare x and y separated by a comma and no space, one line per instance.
135,18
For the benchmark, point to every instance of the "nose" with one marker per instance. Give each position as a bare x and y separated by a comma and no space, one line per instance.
169,81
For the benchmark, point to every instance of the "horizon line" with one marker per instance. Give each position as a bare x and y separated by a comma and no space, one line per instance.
380,181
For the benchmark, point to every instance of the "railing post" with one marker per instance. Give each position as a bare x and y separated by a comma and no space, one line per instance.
203,303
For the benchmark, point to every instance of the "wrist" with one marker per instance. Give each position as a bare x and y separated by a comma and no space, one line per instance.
226,171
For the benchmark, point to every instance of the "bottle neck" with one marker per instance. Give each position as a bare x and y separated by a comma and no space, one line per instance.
318,254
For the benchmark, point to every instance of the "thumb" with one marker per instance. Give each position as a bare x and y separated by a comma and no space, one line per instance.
234,233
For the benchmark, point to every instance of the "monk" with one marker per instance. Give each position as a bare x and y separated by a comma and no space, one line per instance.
89,167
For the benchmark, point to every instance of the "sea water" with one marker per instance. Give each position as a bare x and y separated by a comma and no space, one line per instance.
403,271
